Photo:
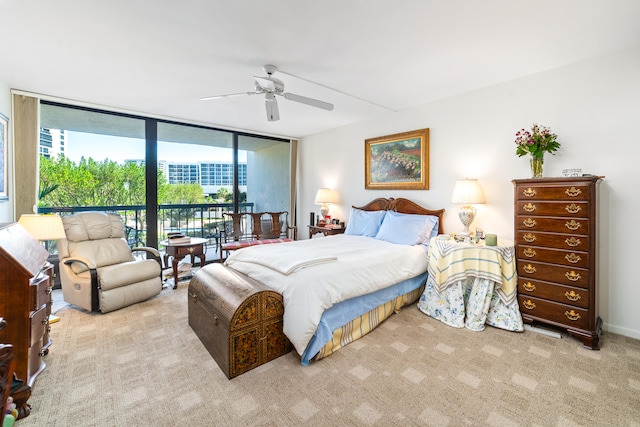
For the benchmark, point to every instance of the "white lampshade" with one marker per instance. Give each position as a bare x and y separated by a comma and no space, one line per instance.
324,196
467,192
43,227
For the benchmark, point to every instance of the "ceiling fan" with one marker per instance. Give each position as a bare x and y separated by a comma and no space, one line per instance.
270,87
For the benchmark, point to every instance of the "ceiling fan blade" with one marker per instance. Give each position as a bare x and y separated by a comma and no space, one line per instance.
272,107
309,101
207,98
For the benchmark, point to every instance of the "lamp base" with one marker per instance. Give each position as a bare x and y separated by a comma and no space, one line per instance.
466,214
324,210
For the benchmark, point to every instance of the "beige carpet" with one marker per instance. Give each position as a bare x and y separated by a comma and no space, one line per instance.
143,366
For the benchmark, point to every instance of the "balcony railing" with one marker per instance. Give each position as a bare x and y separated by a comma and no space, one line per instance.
195,220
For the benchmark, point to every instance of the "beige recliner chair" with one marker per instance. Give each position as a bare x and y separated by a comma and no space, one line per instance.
98,271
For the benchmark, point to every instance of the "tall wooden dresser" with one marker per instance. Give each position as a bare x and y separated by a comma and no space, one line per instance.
556,249
25,305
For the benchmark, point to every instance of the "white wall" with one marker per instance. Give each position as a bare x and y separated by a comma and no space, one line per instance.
6,206
593,106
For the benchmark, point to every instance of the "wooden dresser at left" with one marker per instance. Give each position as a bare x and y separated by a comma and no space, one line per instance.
25,304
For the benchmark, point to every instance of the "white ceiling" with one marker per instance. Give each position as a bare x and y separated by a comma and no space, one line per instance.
159,57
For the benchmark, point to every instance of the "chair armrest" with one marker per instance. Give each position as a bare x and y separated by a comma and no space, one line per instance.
93,272
147,249
153,252
90,264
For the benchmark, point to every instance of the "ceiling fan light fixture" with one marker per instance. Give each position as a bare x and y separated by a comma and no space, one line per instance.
271,105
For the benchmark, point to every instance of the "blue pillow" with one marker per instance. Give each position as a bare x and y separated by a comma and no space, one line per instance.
364,223
407,229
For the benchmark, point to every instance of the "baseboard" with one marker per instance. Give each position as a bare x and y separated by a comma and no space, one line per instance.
627,332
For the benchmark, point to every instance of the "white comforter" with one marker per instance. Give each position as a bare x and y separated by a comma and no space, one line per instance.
325,271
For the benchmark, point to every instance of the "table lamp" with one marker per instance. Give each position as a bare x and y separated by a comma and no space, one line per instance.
324,197
43,227
467,192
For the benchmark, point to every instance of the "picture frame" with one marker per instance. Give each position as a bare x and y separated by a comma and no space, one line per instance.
397,162
4,142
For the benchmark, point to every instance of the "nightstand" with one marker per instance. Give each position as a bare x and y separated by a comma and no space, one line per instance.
470,285
327,231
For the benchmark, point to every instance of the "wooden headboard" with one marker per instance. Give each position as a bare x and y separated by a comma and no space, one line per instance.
403,206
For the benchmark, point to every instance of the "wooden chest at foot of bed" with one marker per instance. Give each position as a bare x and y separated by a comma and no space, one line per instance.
237,319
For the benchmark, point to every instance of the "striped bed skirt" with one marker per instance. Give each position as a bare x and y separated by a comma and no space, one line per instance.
361,326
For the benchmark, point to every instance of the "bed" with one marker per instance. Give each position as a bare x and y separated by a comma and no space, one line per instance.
338,288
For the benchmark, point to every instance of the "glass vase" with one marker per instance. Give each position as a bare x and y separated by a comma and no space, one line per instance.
536,166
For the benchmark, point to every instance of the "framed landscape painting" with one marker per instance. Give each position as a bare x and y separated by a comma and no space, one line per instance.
397,162
3,156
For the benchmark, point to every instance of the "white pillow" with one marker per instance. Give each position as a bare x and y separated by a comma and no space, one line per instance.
430,230
364,223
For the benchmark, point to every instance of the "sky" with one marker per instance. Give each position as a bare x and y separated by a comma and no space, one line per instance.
119,149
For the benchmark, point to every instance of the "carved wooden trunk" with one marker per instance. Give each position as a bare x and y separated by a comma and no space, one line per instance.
237,319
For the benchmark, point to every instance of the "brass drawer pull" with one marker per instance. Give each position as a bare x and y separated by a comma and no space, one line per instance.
529,287
572,258
530,269
572,241
530,253
191,250
572,208
529,207
529,222
572,315
529,192
528,304
572,225
573,192
529,237
572,296
573,276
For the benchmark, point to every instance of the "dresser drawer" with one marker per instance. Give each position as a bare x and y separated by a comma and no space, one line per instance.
39,293
181,251
566,192
553,225
553,240
561,208
553,256
554,292
571,276
569,315
39,322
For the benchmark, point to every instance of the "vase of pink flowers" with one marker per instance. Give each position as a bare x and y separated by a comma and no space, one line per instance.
535,143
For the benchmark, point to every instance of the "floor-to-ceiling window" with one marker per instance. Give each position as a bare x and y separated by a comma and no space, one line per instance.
103,159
